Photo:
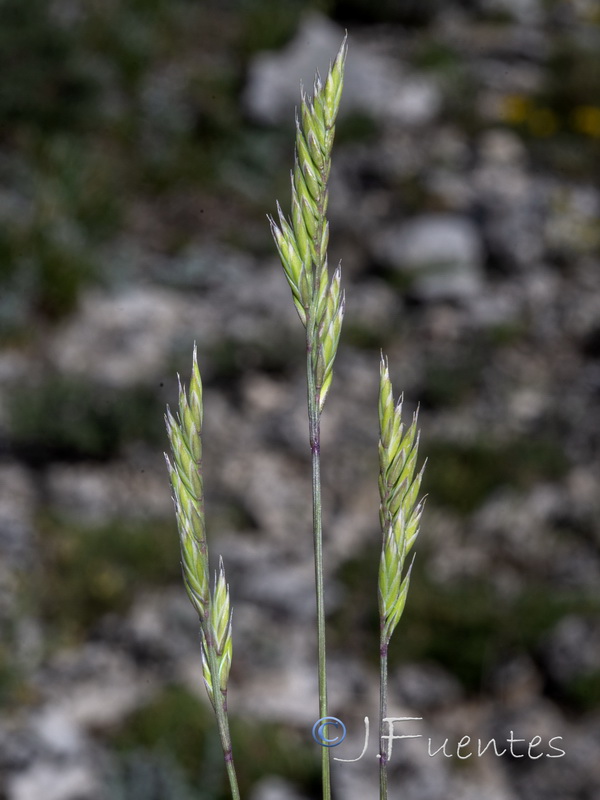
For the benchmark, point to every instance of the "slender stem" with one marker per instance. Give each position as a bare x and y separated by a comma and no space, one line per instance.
383,743
220,706
314,422
315,446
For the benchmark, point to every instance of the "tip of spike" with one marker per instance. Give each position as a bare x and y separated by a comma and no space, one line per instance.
343,51
383,363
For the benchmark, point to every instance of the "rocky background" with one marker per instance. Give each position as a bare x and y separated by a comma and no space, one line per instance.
142,143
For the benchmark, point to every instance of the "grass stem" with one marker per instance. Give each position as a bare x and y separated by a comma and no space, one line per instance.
315,445
220,705
383,742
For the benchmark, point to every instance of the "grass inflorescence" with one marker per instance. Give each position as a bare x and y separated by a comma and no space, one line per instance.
301,241
213,609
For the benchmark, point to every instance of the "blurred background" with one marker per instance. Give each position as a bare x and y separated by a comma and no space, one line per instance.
142,143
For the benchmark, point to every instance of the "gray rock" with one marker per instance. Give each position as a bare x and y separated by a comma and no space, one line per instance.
497,306
517,680
53,781
576,774
373,83
18,502
271,489
272,579
441,253
284,588
162,623
425,686
377,312
57,732
572,649
95,495
94,687
122,339
513,528
514,202
15,367
524,11
17,748
571,227
274,788
285,694
502,149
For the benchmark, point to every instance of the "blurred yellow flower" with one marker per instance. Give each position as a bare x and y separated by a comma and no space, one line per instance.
586,120
515,108
518,109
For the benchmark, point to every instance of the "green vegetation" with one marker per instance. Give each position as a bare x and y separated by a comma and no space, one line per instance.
583,692
91,571
461,476
269,748
433,55
467,628
451,381
150,775
72,419
175,722
356,127
270,24
180,727
14,690
52,226
464,625
105,111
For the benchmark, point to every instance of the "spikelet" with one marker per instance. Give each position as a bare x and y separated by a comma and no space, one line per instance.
399,511
188,495
329,331
219,631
